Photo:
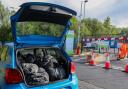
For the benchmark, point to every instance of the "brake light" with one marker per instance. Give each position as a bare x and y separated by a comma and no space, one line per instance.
13,76
73,67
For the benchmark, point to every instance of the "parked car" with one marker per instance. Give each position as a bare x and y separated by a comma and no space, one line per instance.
36,59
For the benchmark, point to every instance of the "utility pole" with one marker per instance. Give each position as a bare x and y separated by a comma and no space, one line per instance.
80,19
81,10
84,7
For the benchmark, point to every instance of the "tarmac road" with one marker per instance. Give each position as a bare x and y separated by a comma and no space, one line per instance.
93,77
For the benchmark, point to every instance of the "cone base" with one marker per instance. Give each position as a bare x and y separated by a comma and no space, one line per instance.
107,65
126,68
92,62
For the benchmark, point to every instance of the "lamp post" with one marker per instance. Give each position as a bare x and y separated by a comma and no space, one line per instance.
84,6
80,21
80,16
81,10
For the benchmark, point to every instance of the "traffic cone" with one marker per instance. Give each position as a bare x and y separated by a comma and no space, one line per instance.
107,62
92,62
78,50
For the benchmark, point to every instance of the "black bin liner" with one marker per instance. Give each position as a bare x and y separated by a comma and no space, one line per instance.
53,68
56,73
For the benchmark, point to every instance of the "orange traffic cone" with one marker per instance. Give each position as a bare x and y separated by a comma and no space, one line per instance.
92,62
107,62
78,50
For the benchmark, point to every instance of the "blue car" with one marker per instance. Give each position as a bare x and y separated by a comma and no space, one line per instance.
36,59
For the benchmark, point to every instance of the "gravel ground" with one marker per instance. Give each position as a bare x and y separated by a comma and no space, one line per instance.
85,85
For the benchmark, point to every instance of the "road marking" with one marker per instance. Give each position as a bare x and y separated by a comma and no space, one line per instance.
100,65
113,67
118,68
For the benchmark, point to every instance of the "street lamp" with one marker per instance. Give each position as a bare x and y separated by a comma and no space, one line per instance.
81,10
84,6
80,21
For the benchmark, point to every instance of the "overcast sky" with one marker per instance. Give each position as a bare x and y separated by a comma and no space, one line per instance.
100,9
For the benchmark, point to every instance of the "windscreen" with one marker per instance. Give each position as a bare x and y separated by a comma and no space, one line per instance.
39,28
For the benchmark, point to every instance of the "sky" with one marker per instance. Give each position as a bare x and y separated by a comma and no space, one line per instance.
100,9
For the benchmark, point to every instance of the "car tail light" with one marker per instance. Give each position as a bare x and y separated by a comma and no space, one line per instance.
73,67
13,76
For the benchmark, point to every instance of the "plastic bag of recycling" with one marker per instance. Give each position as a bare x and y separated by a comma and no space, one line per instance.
49,62
56,73
53,68
40,78
29,68
35,75
62,73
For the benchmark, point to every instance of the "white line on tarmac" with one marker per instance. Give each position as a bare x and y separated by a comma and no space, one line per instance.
118,68
113,67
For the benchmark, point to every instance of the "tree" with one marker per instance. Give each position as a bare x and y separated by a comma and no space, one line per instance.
75,25
5,27
92,26
124,31
107,25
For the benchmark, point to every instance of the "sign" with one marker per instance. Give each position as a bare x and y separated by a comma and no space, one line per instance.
69,42
113,44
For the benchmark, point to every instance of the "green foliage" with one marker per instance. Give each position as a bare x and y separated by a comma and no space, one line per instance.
75,25
5,27
107,23
93,27
124,31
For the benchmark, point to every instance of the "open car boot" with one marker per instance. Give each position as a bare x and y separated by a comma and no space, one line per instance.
39,67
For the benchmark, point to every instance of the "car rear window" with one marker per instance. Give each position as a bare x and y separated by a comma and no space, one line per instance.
39,28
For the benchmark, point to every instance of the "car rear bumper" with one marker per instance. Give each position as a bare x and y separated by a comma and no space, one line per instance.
70,83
